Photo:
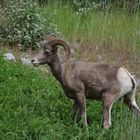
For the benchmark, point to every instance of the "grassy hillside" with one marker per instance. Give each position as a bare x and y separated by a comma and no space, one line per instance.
34,107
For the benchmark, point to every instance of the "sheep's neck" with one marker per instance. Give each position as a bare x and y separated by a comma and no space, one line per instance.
56,69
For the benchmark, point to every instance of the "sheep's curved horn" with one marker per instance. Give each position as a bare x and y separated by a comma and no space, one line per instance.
55,42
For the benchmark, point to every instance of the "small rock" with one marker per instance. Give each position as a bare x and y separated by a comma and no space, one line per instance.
9,56
25,61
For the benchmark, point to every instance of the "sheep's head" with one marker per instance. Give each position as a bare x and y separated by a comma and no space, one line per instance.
48,53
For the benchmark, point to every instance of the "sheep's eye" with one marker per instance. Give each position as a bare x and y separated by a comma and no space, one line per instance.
47,53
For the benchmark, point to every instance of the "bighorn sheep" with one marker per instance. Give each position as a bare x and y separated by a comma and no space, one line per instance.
81,80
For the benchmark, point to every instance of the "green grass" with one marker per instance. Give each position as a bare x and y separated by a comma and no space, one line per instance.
33,107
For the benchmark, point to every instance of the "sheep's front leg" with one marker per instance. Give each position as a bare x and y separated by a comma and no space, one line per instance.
75,112
107,113
82,106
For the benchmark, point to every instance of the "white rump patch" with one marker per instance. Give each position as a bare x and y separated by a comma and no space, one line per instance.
125,81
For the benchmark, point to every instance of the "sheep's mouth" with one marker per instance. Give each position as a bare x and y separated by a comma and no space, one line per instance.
35,65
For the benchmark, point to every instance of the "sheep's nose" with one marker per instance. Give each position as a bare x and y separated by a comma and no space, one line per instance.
32,61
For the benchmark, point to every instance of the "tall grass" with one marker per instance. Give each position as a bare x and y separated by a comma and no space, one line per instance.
116,26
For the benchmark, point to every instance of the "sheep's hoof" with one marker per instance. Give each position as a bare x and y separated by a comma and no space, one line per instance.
89,121
107,126
86,131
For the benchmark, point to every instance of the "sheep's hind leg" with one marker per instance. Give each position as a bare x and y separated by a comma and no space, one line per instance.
108,99
130,101
75,112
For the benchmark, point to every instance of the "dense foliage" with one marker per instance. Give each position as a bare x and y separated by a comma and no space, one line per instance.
35,108
23,24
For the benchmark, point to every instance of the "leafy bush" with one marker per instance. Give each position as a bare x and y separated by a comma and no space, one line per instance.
84,6
23,23
52,26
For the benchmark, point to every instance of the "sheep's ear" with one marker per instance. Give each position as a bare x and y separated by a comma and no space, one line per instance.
48,51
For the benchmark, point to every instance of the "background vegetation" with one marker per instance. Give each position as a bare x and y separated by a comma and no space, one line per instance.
33,107
23,23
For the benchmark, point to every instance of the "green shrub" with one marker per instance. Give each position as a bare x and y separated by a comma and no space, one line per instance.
83,7
23,23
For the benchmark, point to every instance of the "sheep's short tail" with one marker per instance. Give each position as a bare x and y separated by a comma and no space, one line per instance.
134,84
